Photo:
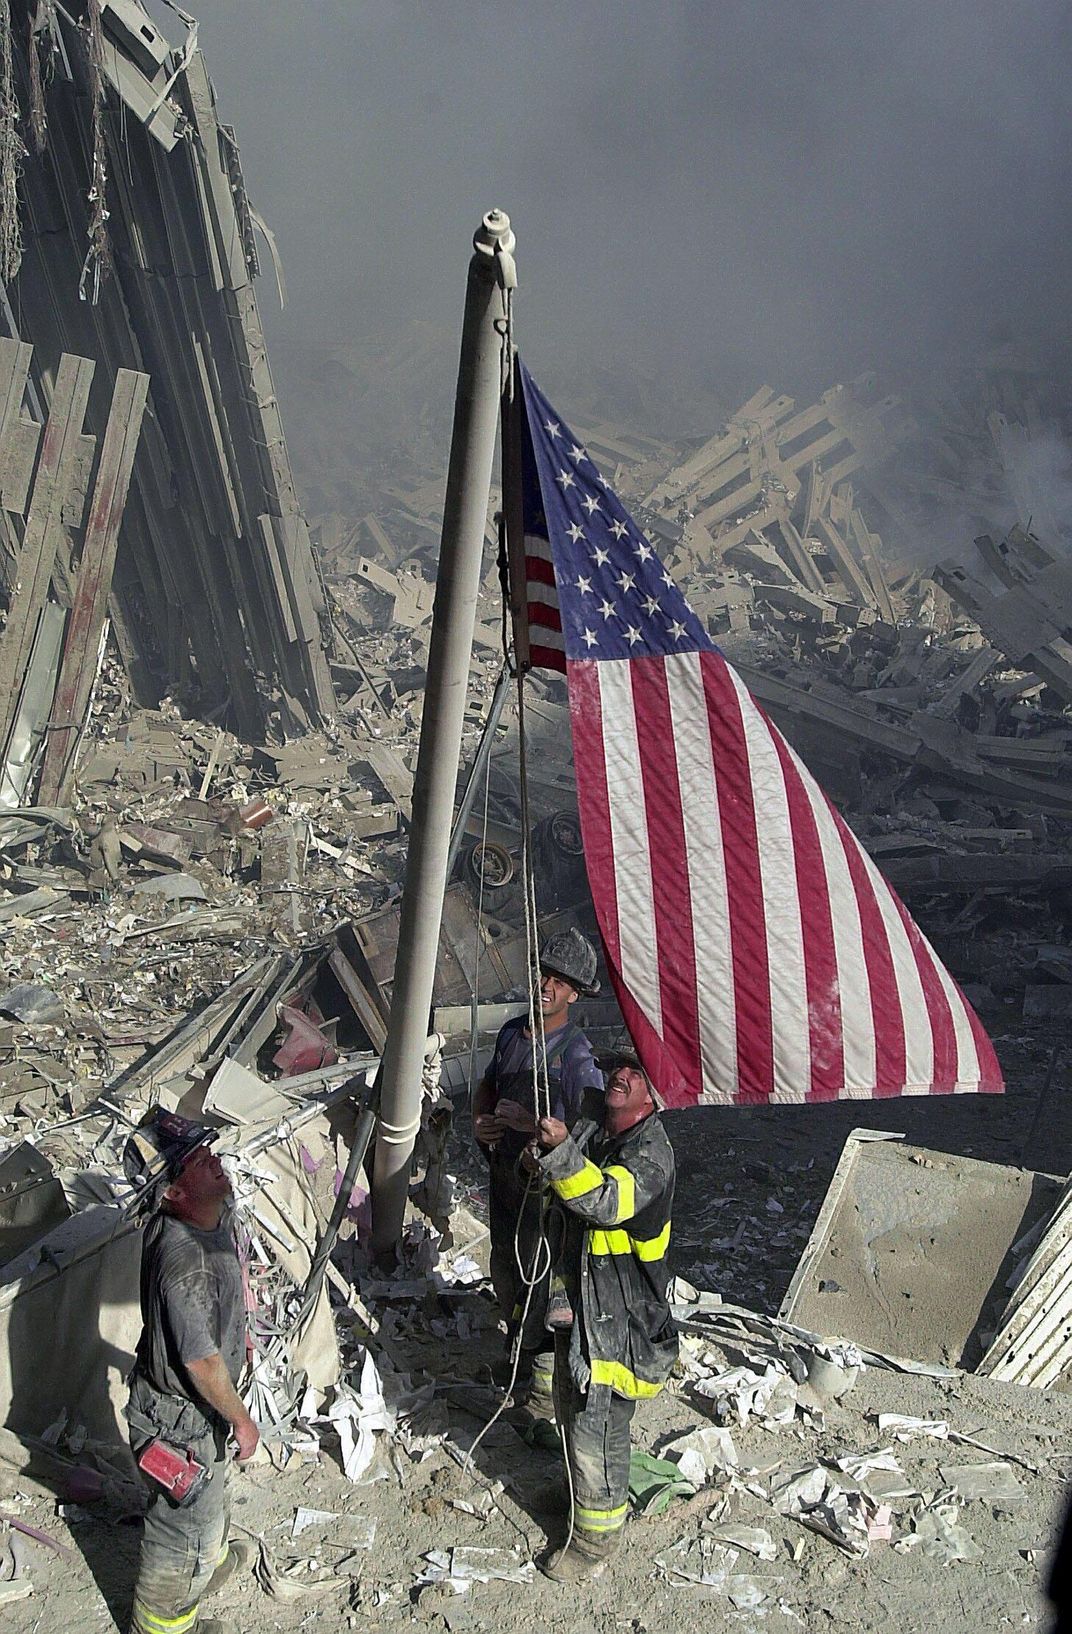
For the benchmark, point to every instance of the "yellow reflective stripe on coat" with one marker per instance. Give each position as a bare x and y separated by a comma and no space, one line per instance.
600,1520
626,1191
652,1248
149,1622
620,1242
609,1242
587,1179
619,1378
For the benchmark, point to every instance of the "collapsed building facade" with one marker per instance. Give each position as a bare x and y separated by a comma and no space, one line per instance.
129,242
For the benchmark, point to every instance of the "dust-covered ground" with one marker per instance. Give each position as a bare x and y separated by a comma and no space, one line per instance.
728,1237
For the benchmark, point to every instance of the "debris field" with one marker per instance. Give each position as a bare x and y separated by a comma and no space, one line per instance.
210,712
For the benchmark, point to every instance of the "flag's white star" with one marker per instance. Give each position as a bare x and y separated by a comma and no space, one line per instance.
590,638
552,429
677,631
651,604
632,635
591,504
584,586
601,555
601,479
577,453
576,532
625,583
567,479
644,550
607,609
618,529
668,579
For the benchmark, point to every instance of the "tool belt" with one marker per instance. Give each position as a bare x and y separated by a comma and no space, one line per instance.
172,1439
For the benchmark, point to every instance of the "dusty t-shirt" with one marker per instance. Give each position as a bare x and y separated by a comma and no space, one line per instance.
191,1301
572,1076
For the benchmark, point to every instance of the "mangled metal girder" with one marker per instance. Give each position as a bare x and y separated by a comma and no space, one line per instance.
216,596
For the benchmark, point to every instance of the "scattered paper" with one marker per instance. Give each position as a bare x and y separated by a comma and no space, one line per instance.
754,1539
742,1394
459,1568
705,1563
304,1518
483,1504
878,1474
942,1537
293,1581
352,1531
703,1453
815,1499
994,1483
357,1418
903,1427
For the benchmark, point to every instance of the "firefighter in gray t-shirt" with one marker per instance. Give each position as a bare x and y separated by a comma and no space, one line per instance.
184,1406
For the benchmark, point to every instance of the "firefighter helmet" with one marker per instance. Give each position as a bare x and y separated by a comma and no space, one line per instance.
571,955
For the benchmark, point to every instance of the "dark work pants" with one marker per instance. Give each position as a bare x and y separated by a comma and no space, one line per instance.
514,1219
182,1547
596,1424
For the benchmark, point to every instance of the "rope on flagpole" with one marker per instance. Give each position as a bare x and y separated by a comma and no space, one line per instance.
533,1273
541,1258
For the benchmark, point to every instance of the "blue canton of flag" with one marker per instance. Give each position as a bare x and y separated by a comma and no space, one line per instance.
613,597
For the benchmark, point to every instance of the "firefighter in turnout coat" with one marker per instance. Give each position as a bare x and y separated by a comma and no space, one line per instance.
613,1181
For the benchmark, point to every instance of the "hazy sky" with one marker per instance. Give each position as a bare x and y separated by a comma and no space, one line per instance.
729,191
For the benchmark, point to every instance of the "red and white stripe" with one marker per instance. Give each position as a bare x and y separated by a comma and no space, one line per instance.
547,647
757,953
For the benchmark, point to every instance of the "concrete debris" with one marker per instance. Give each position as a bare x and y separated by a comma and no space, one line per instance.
993,1483
912,1249
921,1249
1031,1344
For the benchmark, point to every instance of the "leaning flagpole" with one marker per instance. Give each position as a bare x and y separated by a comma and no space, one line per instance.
472,452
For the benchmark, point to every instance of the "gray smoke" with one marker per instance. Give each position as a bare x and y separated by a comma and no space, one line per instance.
708,194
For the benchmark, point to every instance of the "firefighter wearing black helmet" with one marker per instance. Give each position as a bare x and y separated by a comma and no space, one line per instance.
185,1414
504,1121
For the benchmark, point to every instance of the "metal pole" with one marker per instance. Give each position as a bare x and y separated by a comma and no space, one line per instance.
480,761
472,452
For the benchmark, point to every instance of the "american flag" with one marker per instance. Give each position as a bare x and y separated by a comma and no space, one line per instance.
757,953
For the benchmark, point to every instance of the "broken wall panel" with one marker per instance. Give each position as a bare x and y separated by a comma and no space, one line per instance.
912,1249
201,605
